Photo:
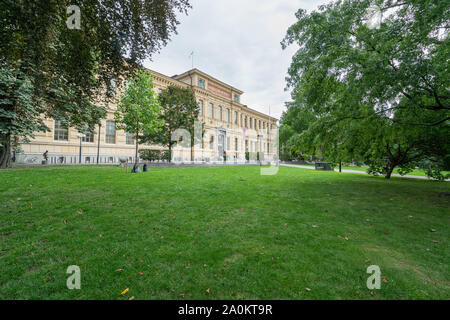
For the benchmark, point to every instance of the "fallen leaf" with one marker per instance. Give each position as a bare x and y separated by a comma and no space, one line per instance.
285,224
435,241
384,279
99,235
80,211
432,230
124,291
308,289
182,295
65,221
346,238
131,298
207,290
141,273
314,226
118,270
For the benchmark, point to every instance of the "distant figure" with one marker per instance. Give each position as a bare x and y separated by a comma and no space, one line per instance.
45,156
224,155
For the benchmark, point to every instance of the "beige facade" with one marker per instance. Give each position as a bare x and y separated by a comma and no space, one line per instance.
229,126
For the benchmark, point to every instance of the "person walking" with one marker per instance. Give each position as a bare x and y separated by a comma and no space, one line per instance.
45,157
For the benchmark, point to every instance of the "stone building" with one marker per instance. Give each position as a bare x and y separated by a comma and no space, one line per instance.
230,128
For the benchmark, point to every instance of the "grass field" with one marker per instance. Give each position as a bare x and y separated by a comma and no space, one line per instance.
221,233
414,172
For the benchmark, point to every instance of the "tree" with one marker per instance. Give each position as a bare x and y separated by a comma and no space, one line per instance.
50,70
293,123
379,94
138,111
180,111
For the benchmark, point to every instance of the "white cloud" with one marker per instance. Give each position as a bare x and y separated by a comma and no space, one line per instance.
237,42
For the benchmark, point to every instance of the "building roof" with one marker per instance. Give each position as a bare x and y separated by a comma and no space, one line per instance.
203,74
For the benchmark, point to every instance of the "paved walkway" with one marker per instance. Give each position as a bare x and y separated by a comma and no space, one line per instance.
355,171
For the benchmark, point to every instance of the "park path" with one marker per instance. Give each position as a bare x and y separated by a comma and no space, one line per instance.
355,171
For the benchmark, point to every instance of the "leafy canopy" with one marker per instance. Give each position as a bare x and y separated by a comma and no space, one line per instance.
50,70
380,94
138,110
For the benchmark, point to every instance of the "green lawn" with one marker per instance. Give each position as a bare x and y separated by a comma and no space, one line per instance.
174,233
415,172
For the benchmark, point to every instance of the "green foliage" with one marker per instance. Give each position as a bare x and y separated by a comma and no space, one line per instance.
57,72
378,95
180,111
138,110
154,155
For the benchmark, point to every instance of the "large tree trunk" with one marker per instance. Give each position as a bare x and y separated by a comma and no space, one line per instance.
136,155
389,171
170,152
5,151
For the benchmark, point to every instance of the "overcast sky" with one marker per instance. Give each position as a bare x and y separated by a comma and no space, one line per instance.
237,42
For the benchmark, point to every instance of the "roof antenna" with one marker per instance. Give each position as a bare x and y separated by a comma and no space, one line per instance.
192,57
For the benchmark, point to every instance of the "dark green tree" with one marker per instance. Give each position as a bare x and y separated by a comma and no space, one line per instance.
138,110
378,93
180,111
50,69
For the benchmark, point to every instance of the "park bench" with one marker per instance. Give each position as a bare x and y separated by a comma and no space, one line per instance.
323,166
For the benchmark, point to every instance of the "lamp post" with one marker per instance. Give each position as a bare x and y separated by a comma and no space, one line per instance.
259,147
98,142
80,135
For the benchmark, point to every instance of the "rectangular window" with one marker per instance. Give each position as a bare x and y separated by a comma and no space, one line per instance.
228,144
227,115
129,138
264,125
201,83
211,142
235,117
110,132
88,137
211,110
219,113
111,88
245,121
61,131
251,122
255,124
235,144
236,98
259,124
200,107
268,147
